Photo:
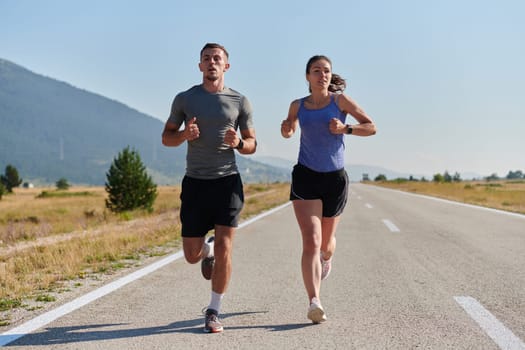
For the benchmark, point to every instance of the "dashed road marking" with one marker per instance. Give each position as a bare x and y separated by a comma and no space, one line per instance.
391,226
496,330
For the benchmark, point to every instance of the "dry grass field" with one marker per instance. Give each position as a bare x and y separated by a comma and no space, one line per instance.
505,195
47,241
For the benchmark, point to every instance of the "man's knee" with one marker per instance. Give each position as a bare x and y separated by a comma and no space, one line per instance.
192,258
192,248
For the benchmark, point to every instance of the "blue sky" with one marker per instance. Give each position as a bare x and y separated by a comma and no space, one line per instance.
443,80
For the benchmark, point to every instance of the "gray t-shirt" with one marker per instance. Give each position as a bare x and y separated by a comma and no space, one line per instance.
208,156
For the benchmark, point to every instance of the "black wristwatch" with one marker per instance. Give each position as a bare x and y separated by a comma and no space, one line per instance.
349,129
240,145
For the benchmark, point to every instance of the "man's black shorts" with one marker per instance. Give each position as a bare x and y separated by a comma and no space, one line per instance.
331,188
206,203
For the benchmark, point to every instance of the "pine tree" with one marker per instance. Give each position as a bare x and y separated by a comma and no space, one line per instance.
2,190
128,185
11,178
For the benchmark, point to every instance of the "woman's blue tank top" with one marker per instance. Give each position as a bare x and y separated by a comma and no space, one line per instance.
320,150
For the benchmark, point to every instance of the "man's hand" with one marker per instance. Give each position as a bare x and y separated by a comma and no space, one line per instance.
231,138
191,131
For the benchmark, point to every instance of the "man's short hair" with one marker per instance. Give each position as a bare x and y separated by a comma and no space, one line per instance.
215,46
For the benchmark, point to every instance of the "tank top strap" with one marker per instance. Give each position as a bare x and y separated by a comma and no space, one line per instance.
335,101
301,102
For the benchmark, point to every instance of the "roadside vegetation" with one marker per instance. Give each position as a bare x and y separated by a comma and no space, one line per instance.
52,240
492,192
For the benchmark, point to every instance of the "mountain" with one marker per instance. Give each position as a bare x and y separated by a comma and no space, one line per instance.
50,130
276,162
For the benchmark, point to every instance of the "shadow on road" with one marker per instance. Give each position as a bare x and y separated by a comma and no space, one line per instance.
95,332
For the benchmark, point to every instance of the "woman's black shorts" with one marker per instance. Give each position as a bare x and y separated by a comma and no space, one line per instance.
331,188
206,203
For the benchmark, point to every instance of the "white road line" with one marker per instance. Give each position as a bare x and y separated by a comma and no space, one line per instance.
52,315
48,317
369,206
496,330
391,226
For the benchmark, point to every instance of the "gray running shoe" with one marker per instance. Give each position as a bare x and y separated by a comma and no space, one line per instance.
212,324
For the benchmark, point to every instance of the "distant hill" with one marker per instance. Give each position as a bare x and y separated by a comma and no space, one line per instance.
355,171
276,162
51,130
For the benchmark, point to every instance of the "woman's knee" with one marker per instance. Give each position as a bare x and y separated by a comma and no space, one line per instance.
311,243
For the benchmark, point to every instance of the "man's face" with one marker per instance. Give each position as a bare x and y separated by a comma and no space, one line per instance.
213,64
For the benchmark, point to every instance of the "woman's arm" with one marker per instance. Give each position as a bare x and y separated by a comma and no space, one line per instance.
365,126
289,125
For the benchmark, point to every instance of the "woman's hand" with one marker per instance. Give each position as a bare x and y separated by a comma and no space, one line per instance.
286,128
337,127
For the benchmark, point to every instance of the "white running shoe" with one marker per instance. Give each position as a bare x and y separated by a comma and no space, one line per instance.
326,267
316,312
208,261
208,247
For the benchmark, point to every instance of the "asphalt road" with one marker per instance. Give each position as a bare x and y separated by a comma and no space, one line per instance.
409,272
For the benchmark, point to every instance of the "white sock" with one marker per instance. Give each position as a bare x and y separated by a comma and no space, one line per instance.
215,302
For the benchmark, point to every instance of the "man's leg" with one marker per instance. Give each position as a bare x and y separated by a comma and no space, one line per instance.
220,276
223,258
193,249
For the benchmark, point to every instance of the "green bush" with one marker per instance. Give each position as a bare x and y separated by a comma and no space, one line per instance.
62,184
59,194
380,177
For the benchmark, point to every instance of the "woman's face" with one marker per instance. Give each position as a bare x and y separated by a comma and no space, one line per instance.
319,75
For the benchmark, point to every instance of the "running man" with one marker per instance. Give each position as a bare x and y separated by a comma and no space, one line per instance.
212,191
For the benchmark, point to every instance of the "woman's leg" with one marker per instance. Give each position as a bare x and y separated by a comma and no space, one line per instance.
308,214
328,243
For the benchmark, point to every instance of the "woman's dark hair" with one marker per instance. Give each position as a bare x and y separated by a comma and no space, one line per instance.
337,83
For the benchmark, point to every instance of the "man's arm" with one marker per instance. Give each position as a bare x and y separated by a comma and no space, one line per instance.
249,143
245,144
